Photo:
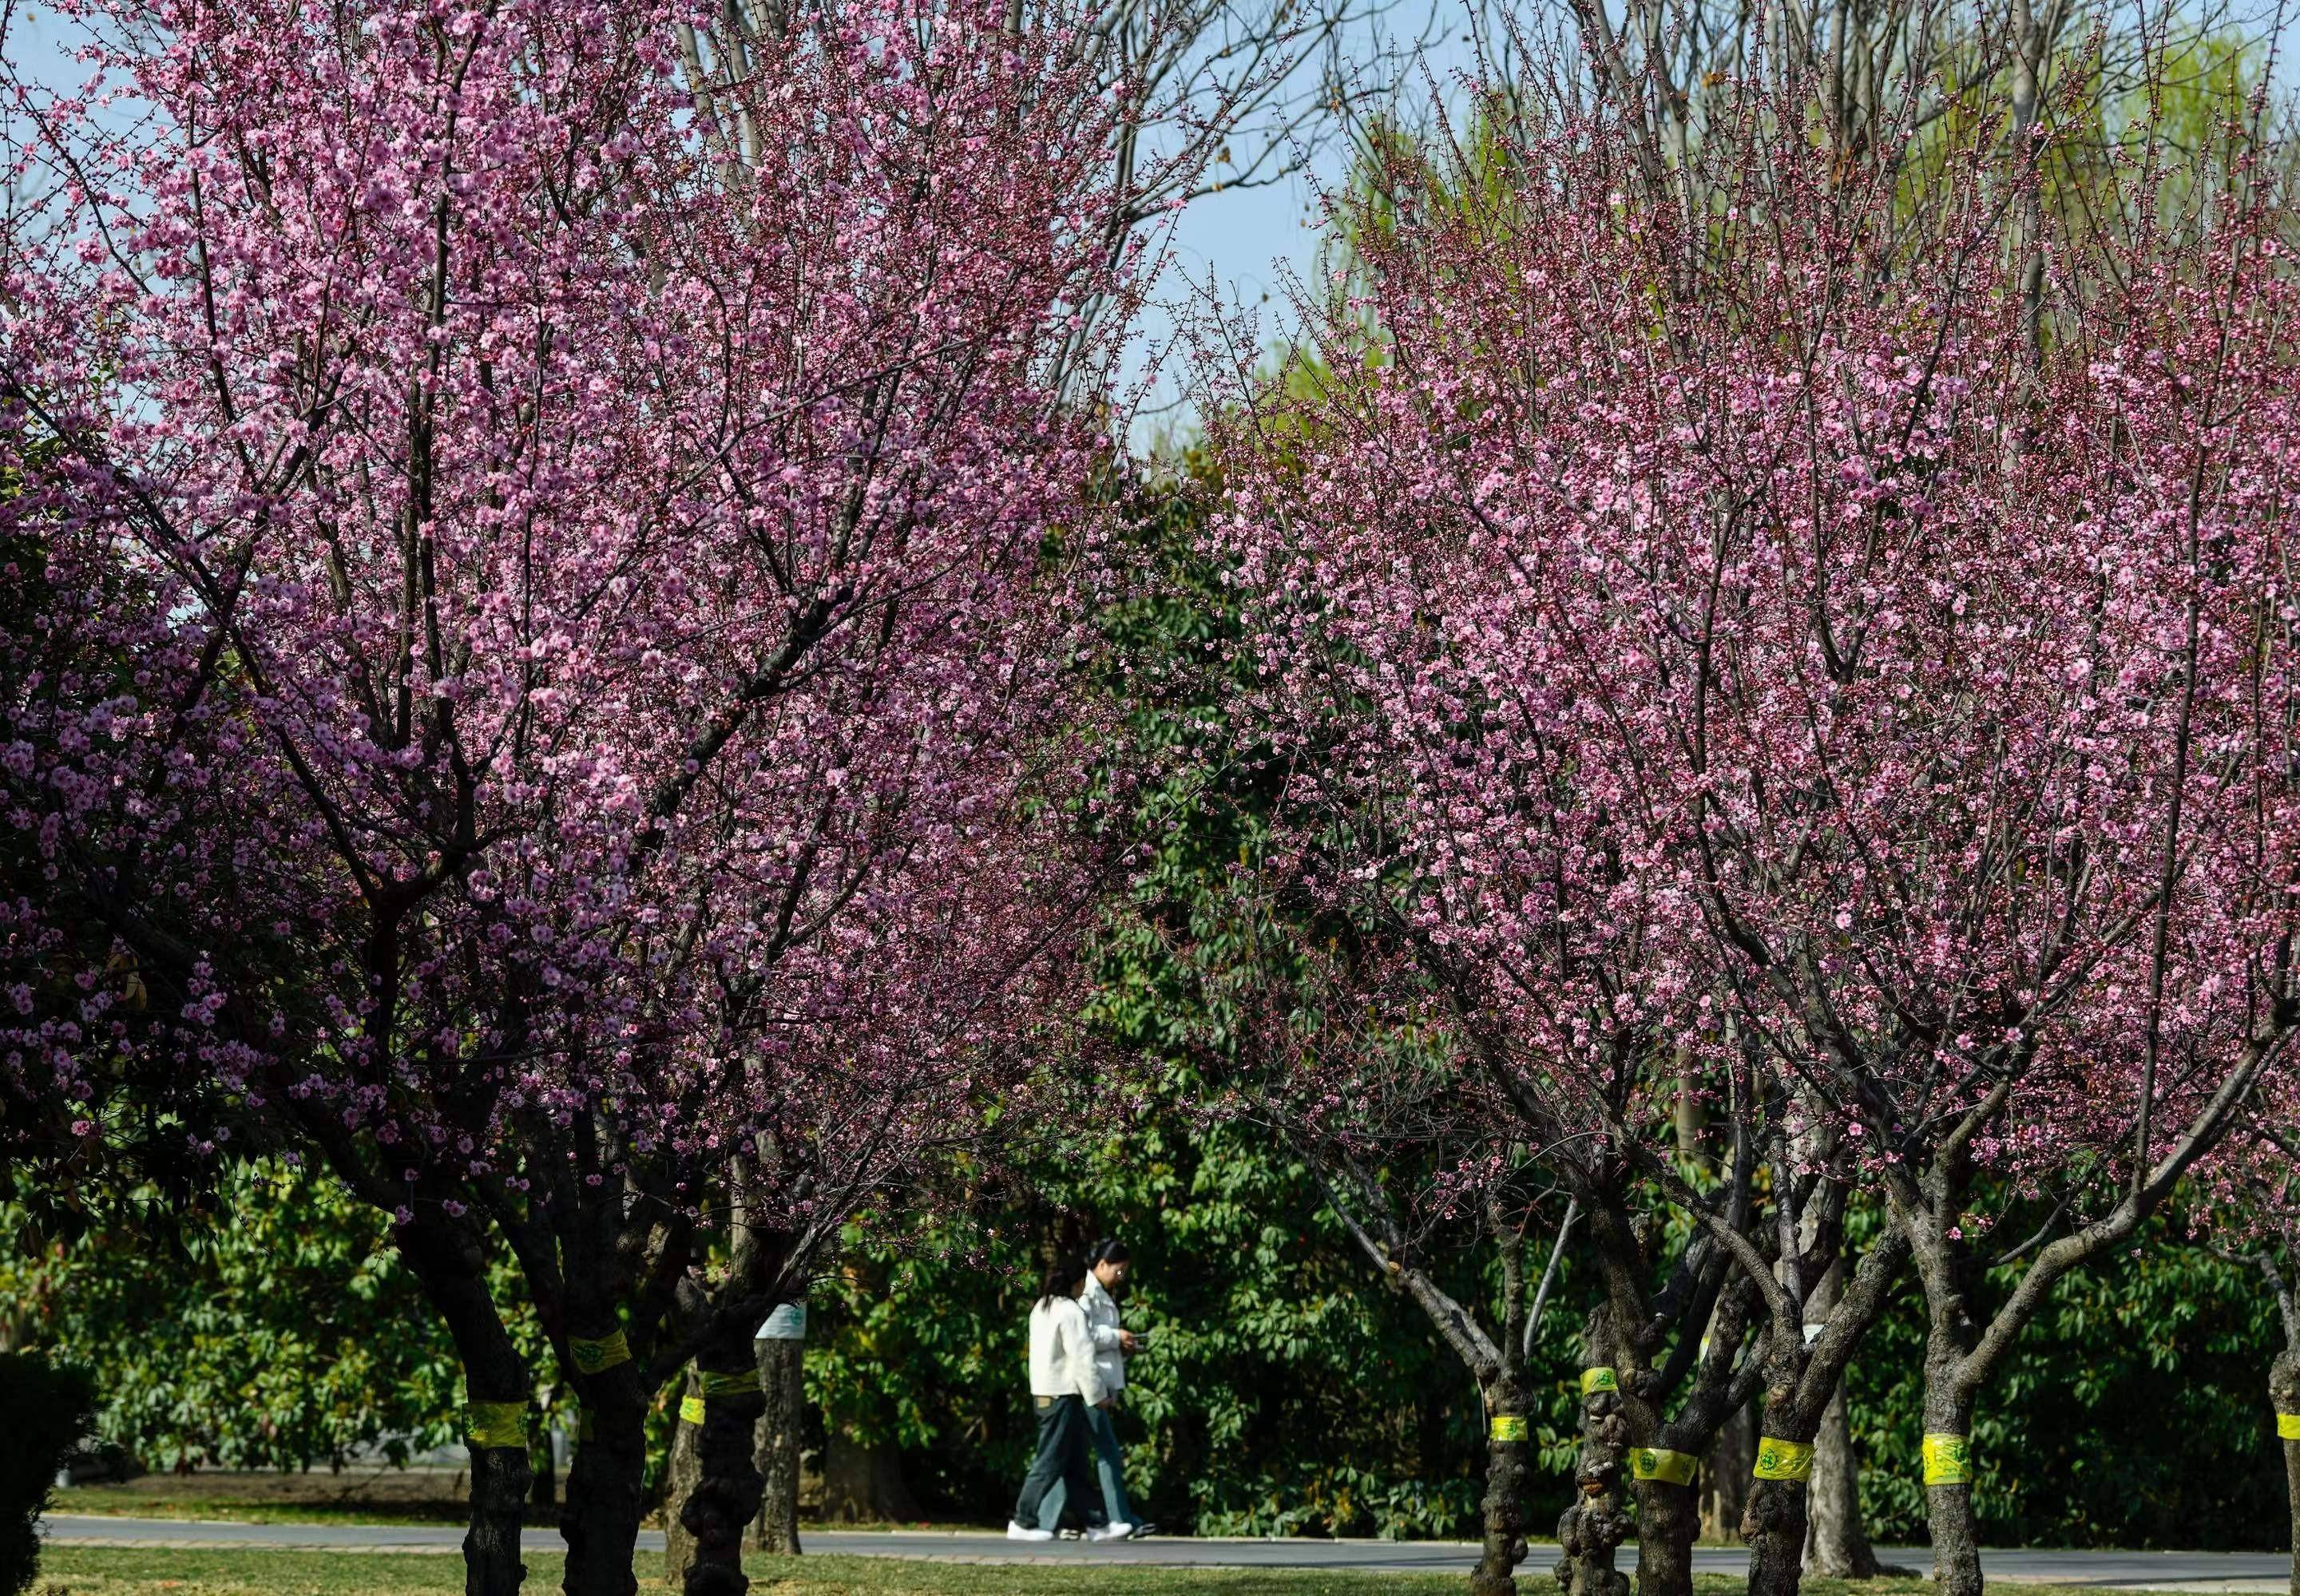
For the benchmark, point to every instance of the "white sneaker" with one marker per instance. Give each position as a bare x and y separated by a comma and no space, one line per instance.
1015,1531
1117,1530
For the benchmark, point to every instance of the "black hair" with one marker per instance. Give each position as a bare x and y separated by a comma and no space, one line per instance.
1109,1250
1063,1276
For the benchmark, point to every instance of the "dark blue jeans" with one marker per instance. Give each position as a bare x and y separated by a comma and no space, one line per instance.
1109,1463
1061,1456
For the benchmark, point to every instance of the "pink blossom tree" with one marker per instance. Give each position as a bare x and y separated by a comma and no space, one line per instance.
598,472
1442,809
1904,632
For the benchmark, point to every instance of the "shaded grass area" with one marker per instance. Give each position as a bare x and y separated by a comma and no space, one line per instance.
371,1495
107,1571
364,1496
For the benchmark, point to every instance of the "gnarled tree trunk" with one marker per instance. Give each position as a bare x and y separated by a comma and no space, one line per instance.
728,1486
1593,1528
2284,1397
1509,1446
2284,1393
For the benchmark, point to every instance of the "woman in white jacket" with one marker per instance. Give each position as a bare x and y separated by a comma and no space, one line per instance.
1064,1385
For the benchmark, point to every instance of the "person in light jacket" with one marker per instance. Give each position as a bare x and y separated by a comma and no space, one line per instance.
1107,1266
1065,1386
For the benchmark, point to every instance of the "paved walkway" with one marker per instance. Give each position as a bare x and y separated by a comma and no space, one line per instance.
2261,1572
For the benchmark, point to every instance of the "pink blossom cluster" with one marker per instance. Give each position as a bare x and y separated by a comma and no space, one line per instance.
1753,632
545,612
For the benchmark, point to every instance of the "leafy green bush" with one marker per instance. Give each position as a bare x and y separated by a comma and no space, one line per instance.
2134,1413
49,1407
286,1333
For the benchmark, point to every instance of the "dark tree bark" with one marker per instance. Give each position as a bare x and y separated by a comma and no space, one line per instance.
2284,1397
500,1477
449,1261
543,1493
1508,1452
2284,1389
781,1365
1664,1470
728,1488
602,1267
604,1495
1593,1528
1961,1351
1948,1501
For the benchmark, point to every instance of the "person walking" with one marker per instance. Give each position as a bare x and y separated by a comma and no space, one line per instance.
1107,1269
1065,1386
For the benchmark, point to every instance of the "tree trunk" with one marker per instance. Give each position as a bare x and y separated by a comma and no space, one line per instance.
1774,1521
728,1486
1948,1484
684,1473
447,1262
1838,1547
604,1495
1669,1521
864,1484
1595,1525
2284,1394
1509,1443
1725,1477
543,1492
500,1476
781,1365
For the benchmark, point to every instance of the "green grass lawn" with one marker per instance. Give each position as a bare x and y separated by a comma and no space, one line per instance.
106,1571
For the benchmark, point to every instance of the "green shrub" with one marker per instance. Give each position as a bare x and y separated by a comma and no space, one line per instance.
50,1408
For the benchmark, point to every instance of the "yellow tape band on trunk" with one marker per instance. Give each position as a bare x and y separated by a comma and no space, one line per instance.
1783,1459
690,1410
1659,1463
501,1425
746,1383
1948,1460
597,1357
1595,1380
1508,1426
2287,1427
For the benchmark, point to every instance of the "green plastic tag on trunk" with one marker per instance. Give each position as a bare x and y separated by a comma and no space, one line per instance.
500,1425
2287,1427
746,1383
1780,1460
1948,1460
597,1357
1509,1426
1659,1463
690,1410
1595,1380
